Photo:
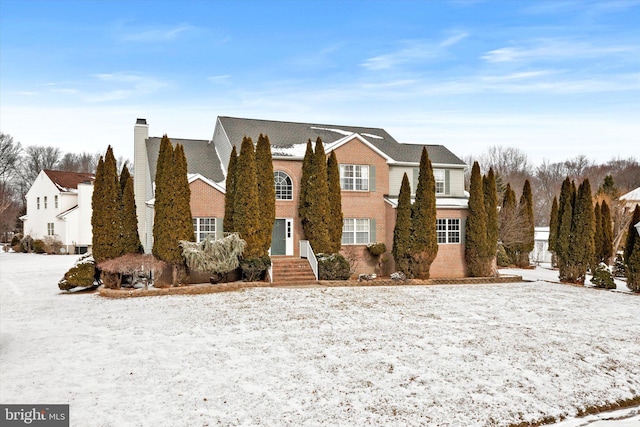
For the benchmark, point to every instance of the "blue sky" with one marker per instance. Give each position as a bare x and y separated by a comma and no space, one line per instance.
553,78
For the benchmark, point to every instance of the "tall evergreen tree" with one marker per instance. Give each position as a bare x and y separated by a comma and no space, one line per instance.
319,201
401,249
526,219
491,207
230,192
607,232
131,238
305,186
508,227
246,218
597,237
334,226
565,218
97,219
162,222
632,253
476,228
266,191
424,239
581,243
182,207
553,227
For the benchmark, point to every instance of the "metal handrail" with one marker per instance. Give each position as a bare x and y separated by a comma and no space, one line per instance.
306,251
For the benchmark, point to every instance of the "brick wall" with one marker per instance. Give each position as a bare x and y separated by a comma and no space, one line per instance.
206,201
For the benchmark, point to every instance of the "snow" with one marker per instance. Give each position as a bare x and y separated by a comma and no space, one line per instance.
463,355
369,135
339,131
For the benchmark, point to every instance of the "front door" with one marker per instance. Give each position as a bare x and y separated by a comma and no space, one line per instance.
279,237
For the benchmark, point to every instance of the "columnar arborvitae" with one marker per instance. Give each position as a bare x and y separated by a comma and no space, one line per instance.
182,206
491,207
553,226
266,191
334,226
110,238
97,219
318,214
607,232
246,218
526,221
632,253
565,217
162,222
597,237
305,187
581,242
131,238
476,228
508,227
424,239
230,192
401,249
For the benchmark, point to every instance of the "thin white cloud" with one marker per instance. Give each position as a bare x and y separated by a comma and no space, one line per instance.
156,34
555,50
412,51
219,79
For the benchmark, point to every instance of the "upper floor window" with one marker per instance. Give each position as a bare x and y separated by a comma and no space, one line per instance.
202,227
440,177
45,202
448,230
37,202
283,185
354,177
55,201
356,231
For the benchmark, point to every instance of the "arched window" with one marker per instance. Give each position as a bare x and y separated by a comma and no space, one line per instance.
284,186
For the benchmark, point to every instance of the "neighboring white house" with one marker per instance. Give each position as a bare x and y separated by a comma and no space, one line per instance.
59,207
540,251
631,199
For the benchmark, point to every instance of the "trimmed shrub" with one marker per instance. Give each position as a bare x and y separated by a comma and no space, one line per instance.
618,267
254,268
602,277
333,267
38,246
26,244
502,258
377,249
15,240
81,274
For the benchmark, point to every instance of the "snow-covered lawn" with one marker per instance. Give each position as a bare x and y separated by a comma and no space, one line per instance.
477,355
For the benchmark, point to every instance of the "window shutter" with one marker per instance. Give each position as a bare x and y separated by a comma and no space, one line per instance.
372,178
372,230
414,184
447,186
219,228
463,225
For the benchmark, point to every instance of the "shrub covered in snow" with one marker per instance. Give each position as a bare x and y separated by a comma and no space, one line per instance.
254,268
398,276
80,275
333,267
602,277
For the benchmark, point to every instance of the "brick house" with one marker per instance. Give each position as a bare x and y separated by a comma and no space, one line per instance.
372,164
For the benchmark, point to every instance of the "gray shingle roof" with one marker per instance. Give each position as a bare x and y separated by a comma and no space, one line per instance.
287,134
201,157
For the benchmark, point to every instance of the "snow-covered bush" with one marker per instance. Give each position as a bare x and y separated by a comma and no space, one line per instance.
254,268
602,277
216,256
398,276
333,267
80,275
619,269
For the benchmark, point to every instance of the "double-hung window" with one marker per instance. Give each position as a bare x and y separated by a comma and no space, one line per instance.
202,227
440,178
37,202
45,202
55,201
354,177
50,229
355,231
448,230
